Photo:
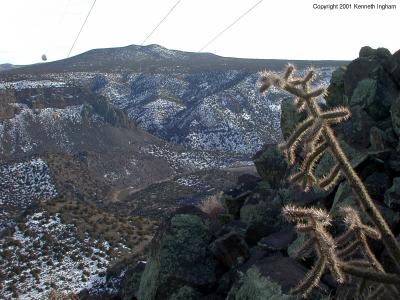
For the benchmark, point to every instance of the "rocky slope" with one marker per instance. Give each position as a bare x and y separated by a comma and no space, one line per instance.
249,252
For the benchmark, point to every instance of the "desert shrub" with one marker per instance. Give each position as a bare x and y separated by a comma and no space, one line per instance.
212,206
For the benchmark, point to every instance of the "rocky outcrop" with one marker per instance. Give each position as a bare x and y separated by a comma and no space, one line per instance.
251,254
180,258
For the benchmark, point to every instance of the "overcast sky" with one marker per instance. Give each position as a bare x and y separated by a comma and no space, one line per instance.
289,29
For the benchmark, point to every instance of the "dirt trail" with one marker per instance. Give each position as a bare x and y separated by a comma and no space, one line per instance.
121,193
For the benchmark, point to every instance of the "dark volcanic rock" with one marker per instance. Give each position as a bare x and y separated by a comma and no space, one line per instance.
131,281
368,83
271,165
278,240
179,257
230,249
392,195
376,184
284,271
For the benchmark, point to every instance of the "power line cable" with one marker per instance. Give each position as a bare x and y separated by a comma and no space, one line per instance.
83,25
159,23
230,25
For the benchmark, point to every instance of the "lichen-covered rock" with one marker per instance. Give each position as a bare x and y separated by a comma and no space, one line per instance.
395,70
355,131
377,183
185,293
254,286
284,271
378,139
271,165
366,95
344,197
355,156
395,115
278,241
296,244
230,249
336,95
234,204
368,82
392,163
130,282
290,117
262,213
366,51
179,257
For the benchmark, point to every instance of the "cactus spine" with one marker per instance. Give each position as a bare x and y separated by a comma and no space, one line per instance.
317,137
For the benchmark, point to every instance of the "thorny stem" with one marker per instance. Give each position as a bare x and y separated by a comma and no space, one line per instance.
355,182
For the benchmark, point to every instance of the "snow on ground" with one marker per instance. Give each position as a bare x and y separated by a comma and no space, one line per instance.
21,184
156,114
190,181
18,133
44,253
195,160
29,84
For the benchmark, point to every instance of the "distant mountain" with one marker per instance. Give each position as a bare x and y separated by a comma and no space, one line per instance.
198,99
5,67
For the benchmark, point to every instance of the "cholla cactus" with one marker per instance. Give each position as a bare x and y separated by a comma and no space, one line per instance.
313,223
316,137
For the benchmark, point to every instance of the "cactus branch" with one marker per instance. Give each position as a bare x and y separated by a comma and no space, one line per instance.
300,89
370,275
329,181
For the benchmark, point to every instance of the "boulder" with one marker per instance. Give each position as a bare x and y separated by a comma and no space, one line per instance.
271,165
278,241
377,183
254,286
296,244
368,83
185,293
230,249
395,70
284,271
392,195
344,197
234,204
377,139
395,115
387,261
392,163
356,157
336,96
366,51
262,213
234,226
355,131
290,117
179,257
131,280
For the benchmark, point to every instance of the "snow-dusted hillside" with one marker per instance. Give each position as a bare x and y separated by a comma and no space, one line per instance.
201,100
22,184
44,254
220,110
